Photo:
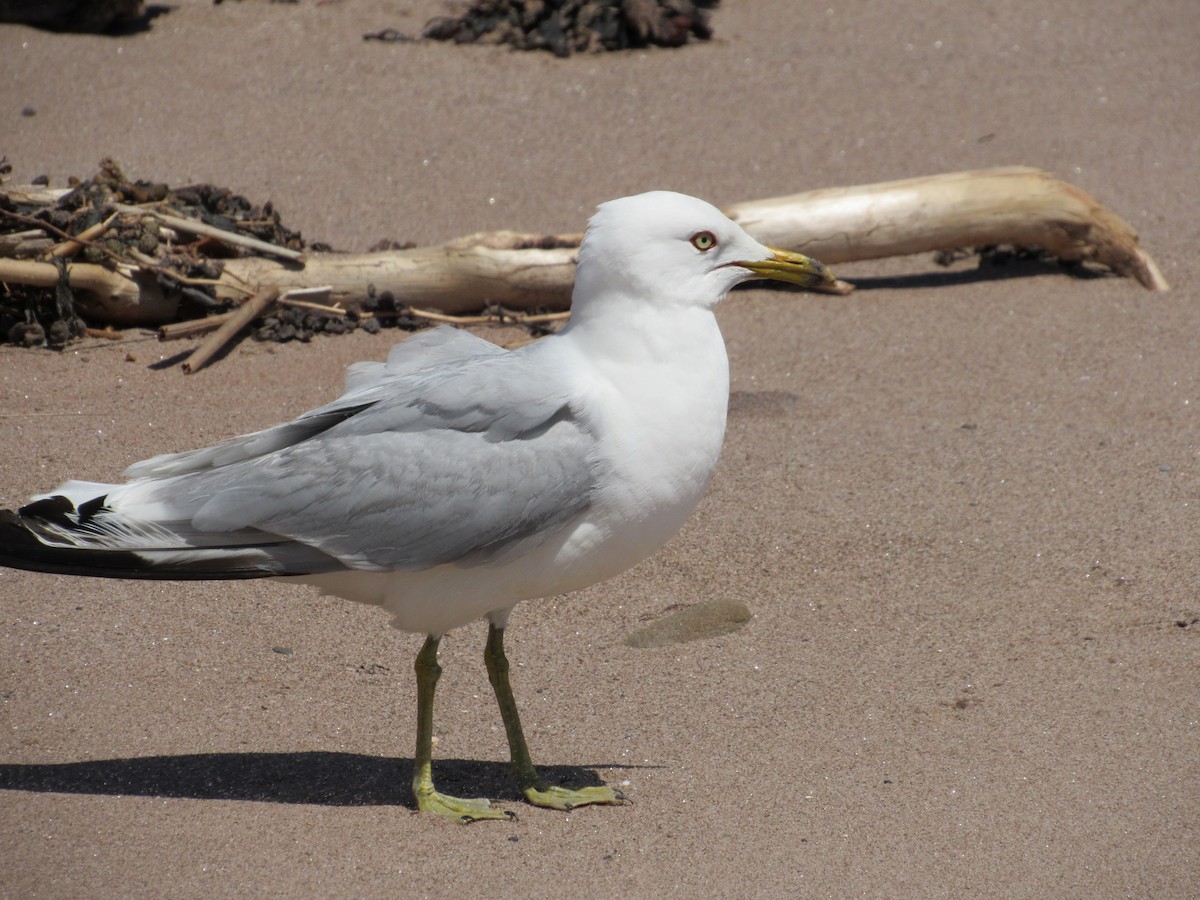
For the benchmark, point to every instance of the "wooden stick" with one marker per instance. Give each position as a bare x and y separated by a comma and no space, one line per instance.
158,265
430,316
306,298
532,318
229,328
34,194
457,277
193,226
501,316
84,238
33,242
315,307
175,331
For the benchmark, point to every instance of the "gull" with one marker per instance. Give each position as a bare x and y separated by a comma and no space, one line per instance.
457,479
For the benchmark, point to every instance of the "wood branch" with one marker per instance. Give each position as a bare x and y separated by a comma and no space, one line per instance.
121,297
33,242
194,226
308,299
457,277
34,194
239,319
77,243
1019,206
175,331
494,316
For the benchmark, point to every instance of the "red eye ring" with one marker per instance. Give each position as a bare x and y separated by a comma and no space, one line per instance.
704,241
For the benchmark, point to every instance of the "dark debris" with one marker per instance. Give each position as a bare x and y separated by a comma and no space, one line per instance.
575,26
997,257
86,16
33,317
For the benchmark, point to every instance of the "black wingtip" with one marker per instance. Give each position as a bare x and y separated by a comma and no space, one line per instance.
52,509
21,548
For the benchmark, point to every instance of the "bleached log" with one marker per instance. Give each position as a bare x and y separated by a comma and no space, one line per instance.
460,276
1019,206
126,297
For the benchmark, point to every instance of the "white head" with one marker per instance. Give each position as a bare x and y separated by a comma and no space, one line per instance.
677,250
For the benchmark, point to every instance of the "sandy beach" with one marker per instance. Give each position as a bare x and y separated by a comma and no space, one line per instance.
961,507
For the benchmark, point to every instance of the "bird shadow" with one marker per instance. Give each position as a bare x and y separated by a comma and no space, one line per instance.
319,778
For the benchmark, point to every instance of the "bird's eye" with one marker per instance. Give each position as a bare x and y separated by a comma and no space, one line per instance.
704,241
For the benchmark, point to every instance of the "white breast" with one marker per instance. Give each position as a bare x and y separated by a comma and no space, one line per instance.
667,387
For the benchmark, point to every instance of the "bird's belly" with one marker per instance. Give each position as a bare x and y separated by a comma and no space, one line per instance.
589,550
624,526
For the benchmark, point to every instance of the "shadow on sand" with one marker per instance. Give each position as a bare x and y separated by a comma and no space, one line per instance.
321,778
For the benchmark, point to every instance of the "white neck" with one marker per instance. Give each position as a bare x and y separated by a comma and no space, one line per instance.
650,366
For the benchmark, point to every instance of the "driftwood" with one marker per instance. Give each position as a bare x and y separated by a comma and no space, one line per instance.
1018,206
126,295
460,276
245,314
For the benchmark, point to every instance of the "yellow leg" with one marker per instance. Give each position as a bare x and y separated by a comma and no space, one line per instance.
535,791
428,799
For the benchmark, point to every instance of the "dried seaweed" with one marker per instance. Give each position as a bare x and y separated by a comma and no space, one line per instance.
576,26
184,265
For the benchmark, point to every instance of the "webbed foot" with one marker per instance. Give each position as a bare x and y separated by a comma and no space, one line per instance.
568,798
458,809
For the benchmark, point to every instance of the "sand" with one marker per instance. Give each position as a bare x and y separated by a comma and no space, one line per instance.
962,510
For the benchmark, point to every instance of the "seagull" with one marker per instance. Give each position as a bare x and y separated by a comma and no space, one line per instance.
457,479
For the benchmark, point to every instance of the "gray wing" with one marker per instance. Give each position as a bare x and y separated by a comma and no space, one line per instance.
457,460
366,384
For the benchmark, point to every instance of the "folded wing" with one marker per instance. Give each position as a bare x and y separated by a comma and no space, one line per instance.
453,451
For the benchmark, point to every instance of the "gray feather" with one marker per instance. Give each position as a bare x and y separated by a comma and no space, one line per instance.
453,454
